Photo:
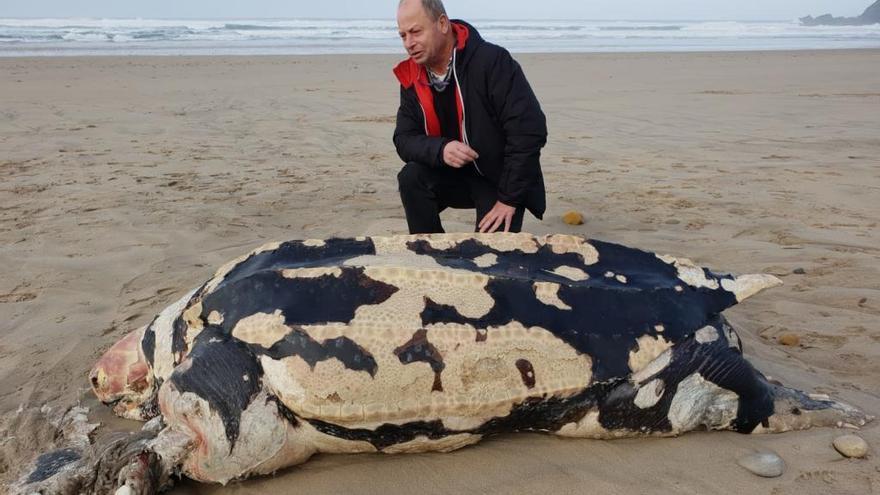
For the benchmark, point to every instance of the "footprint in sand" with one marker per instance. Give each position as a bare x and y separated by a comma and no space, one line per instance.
577,160
17,297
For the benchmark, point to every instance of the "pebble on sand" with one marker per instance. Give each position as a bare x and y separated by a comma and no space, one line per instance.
573,218
764,464
851,446
789,339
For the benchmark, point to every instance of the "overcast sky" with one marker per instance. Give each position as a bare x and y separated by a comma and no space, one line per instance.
473,9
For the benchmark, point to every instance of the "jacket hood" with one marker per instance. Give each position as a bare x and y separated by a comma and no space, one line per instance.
467,37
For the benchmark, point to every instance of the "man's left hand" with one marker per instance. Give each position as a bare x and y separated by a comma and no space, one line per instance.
500,214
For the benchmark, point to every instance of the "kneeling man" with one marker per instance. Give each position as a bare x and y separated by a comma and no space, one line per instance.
469,126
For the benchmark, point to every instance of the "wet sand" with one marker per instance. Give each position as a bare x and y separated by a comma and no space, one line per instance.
124,182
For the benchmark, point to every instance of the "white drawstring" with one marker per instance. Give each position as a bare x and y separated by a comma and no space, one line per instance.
463,114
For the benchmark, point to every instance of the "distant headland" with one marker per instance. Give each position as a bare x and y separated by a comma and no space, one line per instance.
871,15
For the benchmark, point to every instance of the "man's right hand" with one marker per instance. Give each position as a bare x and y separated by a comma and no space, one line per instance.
457,154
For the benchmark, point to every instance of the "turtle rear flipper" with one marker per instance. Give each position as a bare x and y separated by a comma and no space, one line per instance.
139,463
150,469
796,410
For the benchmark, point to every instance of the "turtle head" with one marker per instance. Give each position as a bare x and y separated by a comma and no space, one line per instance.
123,378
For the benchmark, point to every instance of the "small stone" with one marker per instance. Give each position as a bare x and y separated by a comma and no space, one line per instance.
789,339
851,446
863,301
673,221
799,271
764,464
573,218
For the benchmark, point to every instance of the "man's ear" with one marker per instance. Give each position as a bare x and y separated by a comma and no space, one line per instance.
444,23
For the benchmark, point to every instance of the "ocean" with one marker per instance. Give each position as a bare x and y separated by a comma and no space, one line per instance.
89,36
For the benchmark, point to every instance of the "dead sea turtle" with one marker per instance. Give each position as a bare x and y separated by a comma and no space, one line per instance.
426,343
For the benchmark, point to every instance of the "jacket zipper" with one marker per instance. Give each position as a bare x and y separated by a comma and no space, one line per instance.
464,135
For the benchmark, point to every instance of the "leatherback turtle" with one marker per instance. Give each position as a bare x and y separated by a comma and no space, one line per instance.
426,343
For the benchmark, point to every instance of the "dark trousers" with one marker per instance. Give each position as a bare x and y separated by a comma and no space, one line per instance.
426,191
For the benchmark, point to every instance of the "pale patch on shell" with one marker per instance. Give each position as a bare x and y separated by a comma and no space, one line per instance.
163,360
486,260
463,423
261,329
480,380
699,402
654,367
464,290
548,293
621,278
706,334
314,243
423,444
649,394
315,272
732,337
266,441
590,427
563,244
398,260
215,318
571,273
586,427
503,242
746,286
192,316
394,252
649,348
659,328
689,272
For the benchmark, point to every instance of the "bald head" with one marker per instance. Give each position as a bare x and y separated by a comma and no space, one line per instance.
425,31
433,8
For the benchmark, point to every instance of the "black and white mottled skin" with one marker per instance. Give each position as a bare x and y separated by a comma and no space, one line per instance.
429,343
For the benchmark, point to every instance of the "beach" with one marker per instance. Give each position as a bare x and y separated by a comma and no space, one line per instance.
126,181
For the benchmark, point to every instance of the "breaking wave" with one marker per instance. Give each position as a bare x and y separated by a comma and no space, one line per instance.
80,36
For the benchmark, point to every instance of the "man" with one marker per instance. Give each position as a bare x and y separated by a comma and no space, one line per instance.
469,126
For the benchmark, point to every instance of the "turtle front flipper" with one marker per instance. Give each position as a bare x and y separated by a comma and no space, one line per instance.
704,382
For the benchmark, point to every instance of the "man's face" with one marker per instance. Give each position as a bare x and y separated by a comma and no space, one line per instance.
422,37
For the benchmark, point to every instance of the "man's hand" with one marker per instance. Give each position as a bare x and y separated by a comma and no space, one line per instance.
500,214
457,154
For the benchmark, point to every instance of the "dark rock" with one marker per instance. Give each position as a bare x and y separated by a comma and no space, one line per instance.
871,15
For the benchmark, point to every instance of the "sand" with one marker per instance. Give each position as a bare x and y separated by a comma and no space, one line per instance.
127,181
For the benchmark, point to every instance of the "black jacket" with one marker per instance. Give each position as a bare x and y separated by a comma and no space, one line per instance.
502,118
